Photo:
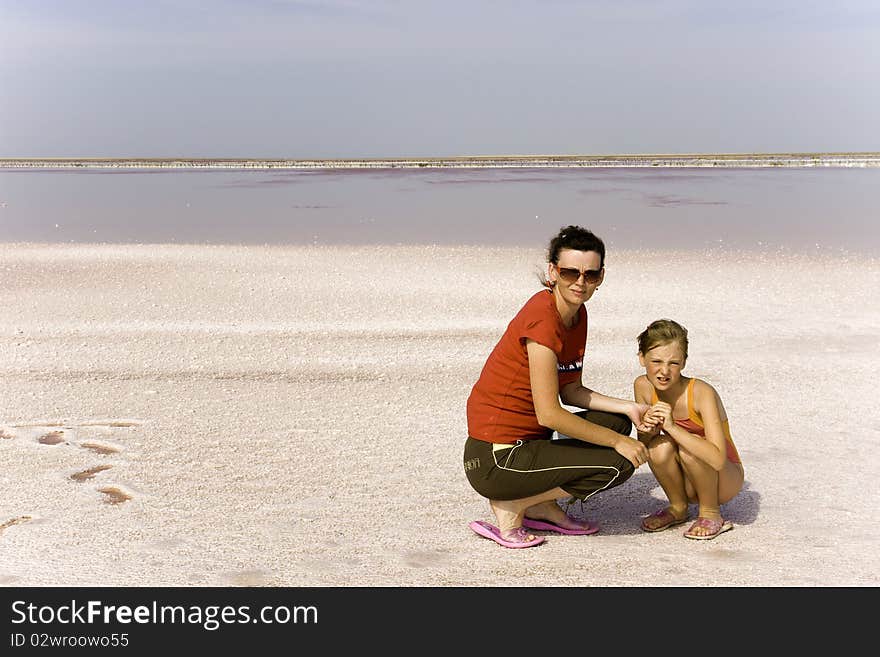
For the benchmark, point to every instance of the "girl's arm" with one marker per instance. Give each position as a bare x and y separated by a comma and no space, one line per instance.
708,405
544,379
712,450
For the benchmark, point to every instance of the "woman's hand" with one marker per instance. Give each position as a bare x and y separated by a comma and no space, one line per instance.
648,422
637,413
632,450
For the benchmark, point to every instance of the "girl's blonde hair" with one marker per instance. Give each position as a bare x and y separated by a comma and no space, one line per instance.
660,332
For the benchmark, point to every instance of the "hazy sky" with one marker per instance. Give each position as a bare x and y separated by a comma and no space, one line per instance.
386,78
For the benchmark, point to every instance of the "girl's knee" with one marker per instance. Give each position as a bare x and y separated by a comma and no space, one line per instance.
686,457
662,449
691,462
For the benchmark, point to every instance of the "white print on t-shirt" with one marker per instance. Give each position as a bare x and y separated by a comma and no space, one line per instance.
575,366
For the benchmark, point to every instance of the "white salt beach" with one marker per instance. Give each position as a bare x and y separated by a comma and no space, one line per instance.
191,415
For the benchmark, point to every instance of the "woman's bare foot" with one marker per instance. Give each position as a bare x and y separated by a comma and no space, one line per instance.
551,512
509,517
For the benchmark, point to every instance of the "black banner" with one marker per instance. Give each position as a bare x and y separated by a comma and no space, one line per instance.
138,619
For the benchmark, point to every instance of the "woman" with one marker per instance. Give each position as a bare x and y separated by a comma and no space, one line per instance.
690,450
517,404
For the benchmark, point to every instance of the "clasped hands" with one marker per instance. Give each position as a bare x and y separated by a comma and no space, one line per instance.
658,416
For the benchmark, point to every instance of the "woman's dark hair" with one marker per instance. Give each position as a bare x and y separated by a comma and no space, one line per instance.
578,239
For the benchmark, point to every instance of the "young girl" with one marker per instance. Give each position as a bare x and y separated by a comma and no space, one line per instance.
690,450
517,404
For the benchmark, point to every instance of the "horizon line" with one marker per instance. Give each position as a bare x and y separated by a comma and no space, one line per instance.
769,159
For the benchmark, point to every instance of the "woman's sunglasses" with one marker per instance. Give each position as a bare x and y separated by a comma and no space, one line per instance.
570,275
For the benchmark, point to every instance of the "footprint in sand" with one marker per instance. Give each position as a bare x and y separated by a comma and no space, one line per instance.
100,448
88,474
113,424
48,434
58,436
114,495
14,521
51,438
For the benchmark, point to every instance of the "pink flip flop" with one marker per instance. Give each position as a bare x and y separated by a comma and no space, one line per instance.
548,526
520,535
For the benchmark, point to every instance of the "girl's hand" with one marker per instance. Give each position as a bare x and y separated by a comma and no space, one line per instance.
662,412
649,424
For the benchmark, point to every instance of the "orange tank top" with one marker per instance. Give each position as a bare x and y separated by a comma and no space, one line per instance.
694,423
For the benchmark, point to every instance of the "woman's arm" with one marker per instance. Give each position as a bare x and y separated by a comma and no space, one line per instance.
544,379
575,394
650,427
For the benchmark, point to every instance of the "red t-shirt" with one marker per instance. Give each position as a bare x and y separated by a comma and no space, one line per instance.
500,408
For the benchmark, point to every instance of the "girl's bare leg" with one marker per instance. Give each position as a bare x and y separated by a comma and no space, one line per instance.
711,487
663,458
730,481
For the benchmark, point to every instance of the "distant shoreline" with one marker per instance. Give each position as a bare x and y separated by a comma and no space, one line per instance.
722,160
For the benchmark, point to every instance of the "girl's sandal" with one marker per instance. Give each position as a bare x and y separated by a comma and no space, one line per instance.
668,520
714,525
